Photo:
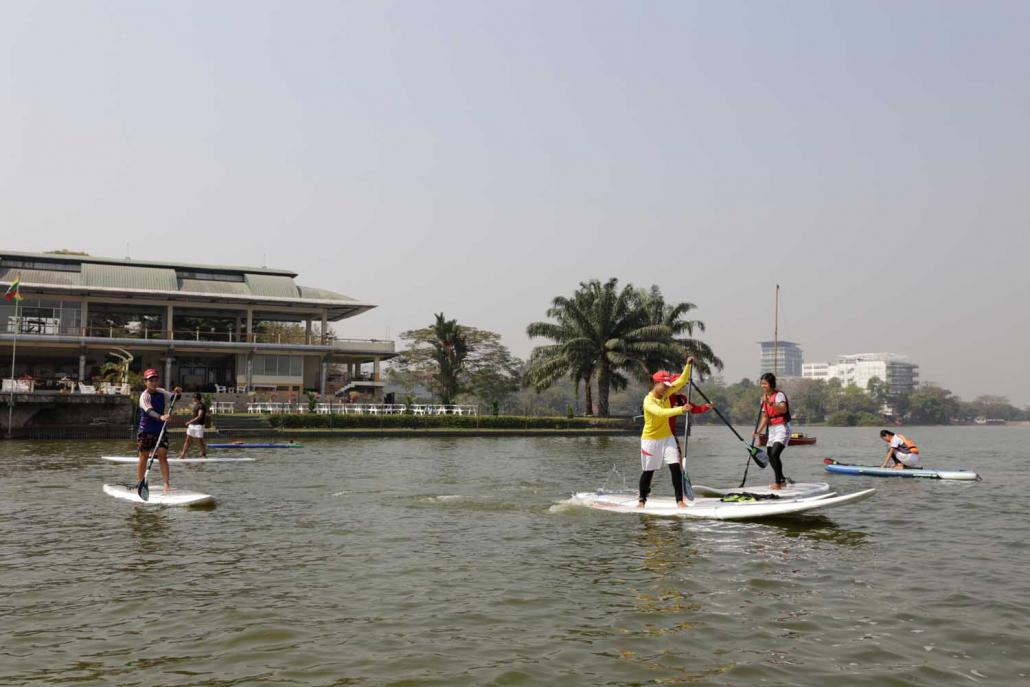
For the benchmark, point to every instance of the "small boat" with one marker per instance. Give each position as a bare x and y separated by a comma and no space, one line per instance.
877,471
796,439
245,444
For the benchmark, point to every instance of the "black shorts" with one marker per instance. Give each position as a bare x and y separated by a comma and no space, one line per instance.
146,442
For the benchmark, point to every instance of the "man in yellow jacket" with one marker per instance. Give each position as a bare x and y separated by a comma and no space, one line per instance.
657,444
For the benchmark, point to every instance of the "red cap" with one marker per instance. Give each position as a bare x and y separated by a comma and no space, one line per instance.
151,372
661,376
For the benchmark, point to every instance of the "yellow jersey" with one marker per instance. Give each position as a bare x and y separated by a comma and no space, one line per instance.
657,411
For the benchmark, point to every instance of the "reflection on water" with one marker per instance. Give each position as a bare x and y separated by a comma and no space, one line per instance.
817,527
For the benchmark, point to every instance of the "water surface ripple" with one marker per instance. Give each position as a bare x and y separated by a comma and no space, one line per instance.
454,562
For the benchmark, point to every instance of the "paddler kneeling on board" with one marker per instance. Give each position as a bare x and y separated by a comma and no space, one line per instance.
901,452
657,442
154,404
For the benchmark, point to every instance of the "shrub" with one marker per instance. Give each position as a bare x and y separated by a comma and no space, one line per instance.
441,422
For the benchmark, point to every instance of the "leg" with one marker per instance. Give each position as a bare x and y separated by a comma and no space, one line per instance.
203,448
186,446
774,452
645,486
677,483
141,466
162,456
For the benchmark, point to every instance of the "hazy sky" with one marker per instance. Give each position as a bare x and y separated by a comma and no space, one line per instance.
479,158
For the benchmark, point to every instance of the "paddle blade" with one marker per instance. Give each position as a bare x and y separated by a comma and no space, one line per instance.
760,456
143,490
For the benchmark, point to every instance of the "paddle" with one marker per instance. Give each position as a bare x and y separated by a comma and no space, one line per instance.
757,454
688,488
142,488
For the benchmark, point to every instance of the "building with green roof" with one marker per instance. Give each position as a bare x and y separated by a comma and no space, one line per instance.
207,327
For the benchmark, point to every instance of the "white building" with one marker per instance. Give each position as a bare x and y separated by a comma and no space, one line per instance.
815,371
858,368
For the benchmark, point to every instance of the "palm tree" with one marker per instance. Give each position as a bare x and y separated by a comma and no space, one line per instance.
450,348
683,342
602,330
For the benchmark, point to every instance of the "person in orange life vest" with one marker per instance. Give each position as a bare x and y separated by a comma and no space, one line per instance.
776,417
657,445
902,452
678,400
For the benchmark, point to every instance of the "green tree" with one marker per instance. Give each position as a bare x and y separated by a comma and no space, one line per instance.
932,405
808,399
564,358
451,359
681,329
601,328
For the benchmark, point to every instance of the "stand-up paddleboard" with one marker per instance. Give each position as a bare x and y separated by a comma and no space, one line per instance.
175,497
216,459
876,471
716,508
793,490
256,445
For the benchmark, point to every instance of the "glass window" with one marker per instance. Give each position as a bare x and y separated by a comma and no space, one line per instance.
207,275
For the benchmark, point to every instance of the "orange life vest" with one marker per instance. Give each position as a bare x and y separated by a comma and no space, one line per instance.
909,445
775,416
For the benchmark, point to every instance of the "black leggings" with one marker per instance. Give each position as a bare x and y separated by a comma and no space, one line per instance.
777,465
677,481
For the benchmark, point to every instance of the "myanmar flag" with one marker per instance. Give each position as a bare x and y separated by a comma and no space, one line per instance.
12,291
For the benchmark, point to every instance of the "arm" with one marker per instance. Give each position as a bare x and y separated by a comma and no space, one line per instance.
886,458
147,407
652,407
700,409
682,380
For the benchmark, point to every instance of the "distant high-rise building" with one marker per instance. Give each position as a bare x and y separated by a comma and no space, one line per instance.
784,358
900,375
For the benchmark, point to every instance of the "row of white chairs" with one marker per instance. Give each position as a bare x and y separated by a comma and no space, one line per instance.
363,408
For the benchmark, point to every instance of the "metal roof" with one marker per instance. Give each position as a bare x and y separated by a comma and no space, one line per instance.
64,257
87,274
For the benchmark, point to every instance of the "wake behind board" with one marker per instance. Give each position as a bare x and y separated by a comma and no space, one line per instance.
256,445
876,471
219,459
176,497
716,509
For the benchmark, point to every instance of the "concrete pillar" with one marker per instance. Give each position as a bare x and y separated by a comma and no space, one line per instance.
82,367
169,359
169,322
324,374
307,331
239,328
375,369
250,366
84,320
325,327
250,334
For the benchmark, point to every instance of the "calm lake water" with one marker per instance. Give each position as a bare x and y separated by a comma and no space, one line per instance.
451,562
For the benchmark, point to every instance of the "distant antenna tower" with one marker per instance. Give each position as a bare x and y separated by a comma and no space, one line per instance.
264,260
128,254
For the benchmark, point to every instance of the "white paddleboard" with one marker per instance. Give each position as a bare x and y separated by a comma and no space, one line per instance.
218,459
175,497
714,508
793,490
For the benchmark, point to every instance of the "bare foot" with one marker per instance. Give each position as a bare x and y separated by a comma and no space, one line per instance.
680,504
640,504
776,487
168,488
